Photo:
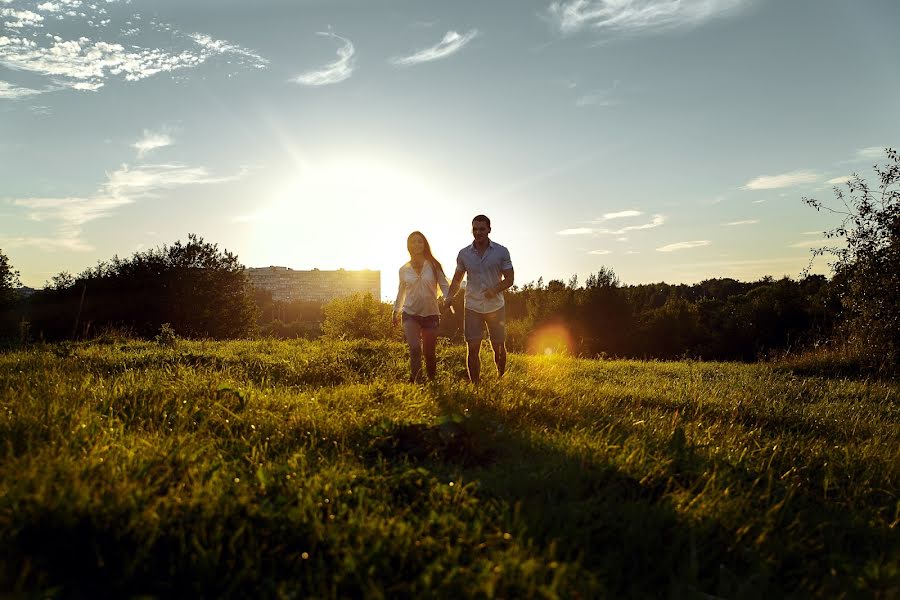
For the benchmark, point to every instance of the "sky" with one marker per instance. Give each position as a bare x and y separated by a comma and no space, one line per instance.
669,140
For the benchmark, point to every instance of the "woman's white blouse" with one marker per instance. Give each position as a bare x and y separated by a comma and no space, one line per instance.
417,293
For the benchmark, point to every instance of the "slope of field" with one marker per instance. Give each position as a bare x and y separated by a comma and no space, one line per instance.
298,469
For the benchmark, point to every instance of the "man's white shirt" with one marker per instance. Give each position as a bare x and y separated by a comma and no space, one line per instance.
483,272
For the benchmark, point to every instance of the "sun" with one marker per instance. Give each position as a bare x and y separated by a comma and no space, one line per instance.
356,213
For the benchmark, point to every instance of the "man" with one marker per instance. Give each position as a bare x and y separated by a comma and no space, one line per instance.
488,270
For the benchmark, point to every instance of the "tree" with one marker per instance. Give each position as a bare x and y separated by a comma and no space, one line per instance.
9,281
198,289
866,265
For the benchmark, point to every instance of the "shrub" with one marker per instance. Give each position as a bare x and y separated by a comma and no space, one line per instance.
866,263
358,316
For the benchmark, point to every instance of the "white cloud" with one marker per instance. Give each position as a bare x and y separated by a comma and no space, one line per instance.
870,152
627,16
151,141
72,211
62,240
122,187
20,18
769,182
622,214
839,180
335,72
684,246
812,243
85,64
576,231
599,252
12,92
866,154
595,99
453,42
744,222
223,47
147,180
657,221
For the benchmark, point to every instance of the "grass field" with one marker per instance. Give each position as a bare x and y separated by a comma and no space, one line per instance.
310,469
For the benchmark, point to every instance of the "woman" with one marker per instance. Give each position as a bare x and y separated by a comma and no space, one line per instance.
417,301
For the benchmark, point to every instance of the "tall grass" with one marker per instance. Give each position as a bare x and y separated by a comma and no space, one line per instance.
295,469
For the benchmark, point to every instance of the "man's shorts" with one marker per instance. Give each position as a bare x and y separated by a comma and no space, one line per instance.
495,321
414,324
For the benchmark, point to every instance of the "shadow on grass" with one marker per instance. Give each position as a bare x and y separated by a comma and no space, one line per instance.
627,531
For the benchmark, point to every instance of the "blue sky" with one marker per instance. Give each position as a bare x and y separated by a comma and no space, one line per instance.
670,140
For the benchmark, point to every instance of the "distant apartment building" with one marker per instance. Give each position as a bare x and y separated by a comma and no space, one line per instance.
287,285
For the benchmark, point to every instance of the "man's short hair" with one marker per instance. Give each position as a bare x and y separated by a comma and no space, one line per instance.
482,218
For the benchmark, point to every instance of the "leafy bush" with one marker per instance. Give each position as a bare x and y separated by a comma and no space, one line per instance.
359,316
9,281
866,265
196,288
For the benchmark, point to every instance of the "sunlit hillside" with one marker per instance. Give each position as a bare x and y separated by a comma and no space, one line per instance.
309,469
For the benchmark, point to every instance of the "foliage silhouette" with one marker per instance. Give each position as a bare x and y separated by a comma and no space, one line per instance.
867,255
199,290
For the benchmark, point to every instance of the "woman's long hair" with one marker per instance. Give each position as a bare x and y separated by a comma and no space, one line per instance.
438,269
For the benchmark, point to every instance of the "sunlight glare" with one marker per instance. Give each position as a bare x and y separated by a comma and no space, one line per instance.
550,340
356,214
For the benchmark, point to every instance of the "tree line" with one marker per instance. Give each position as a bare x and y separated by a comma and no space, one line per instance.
197,290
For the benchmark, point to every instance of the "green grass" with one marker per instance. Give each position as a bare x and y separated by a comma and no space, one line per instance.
309,469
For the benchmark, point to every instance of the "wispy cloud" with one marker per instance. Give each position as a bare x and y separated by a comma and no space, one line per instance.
600,252
597,98
331,73
123,186
576,231
83,62
683,246
223,47
11,92
866,154
656,221
870,152
812,243
744,222
453,42
770,182
622,214
629,16
839,180
151,141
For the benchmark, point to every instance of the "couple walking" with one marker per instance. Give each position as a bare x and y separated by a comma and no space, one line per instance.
488,270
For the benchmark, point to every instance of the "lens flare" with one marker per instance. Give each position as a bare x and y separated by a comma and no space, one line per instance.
549,340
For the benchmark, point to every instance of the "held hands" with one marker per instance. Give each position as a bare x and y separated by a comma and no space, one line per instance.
490,292
394,319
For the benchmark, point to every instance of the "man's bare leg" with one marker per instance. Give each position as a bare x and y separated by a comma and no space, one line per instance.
473,360
499,357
